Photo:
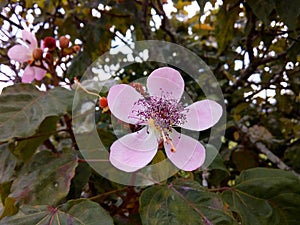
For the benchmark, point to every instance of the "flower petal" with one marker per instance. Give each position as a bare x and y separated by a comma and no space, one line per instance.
19,53
29,39
28,75
189,154
39,73
166,80
202,115
134,151
121,99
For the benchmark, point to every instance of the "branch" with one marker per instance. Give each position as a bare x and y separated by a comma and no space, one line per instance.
263,149
145,28
50,146
11,22
251,35
38,135
165,23
68,122
252,68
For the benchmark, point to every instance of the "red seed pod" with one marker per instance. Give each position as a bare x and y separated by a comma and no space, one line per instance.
37,54
50,43
64,42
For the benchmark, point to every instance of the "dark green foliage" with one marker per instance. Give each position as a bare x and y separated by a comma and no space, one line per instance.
253,49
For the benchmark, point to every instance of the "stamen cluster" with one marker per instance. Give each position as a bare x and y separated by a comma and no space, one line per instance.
165,112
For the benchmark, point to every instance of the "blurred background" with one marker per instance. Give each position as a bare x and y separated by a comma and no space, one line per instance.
252,47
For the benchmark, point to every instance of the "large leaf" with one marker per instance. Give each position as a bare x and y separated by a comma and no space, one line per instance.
265,196
75,212
24,149
8,163
23,108
45,179
81,178
182,202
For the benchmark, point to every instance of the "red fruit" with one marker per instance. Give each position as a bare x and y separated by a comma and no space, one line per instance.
50,43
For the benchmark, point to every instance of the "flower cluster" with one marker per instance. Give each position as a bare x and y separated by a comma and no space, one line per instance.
159,111
40,60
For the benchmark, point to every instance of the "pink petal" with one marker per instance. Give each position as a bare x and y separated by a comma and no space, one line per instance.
29,39
189,154
134,151
19,53
28,75
202,115
42,44
39,73
166,80
121,99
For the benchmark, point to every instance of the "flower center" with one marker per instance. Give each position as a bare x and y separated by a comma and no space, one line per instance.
162,113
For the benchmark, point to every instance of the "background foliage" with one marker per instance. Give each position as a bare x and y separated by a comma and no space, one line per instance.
253,49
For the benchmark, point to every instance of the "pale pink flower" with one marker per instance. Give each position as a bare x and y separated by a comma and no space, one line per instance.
24,53
160,112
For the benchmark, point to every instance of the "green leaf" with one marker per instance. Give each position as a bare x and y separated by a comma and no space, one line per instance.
4,191
264,196
225,31
10,208
82,176
218,164
252,210
286,207
79,65
8,163
182,202
262,9
23,108
75,212
45,179
160,156
271,182
288,10
24,149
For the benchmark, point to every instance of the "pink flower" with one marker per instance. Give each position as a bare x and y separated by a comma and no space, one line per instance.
159,111
24,53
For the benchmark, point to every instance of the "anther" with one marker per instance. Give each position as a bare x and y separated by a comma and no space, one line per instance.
173,149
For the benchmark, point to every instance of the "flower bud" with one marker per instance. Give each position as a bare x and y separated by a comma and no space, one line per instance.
103,102
37,54
50,43
76,48
64,42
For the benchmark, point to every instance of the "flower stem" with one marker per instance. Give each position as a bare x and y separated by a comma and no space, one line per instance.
85,90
